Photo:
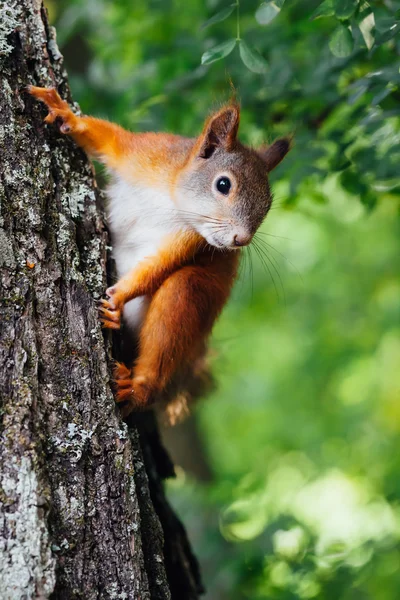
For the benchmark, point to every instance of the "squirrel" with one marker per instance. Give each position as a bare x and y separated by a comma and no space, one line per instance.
180,210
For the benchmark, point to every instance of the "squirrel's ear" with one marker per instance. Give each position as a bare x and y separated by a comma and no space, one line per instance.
220,131
276,152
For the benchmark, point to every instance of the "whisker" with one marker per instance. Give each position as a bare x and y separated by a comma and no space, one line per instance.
251,272
273,235
265,265
242,270
264,255
265,243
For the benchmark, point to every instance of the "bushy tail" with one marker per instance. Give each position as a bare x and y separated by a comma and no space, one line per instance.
195,382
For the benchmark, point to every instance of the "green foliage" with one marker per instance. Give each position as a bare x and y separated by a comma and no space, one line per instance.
268,11
252,59
328,72
303,430
219,16
218,52
341,42
302,433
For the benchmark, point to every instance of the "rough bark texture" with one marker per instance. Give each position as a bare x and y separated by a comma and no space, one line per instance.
82,510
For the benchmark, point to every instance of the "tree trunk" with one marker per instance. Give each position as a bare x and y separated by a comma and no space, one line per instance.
82,509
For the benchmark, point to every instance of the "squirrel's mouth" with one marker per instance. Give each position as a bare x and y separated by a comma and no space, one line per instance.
216,244
220,246
227,237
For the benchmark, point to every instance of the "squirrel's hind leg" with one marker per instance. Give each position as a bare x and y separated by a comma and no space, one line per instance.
180,316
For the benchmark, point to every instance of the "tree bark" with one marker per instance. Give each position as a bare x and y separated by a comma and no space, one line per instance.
82,509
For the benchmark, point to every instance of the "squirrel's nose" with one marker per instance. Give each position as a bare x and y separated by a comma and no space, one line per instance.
241,239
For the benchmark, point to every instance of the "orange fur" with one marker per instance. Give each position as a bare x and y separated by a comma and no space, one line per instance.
117,148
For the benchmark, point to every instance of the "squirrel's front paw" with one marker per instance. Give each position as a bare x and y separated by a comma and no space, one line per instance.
110,317
110,310
58,108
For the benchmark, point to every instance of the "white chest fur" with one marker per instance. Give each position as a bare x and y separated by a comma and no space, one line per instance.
140,219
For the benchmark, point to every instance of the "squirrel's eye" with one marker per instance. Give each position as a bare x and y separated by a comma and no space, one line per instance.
223,185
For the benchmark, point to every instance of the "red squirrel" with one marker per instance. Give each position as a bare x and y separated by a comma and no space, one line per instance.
180,209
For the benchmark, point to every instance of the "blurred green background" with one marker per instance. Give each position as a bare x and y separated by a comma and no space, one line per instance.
289,477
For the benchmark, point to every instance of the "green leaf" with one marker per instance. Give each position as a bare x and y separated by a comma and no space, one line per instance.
339,163
350,180
341,42
220,16
382,94
359,91
325,9
344,9
268,11
384,20
218,52
252,59
387,35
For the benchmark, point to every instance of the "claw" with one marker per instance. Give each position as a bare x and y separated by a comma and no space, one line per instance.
51,117
124,395
106,324
110,317
58,108
109,314
109,303
133,391
123,382
49,96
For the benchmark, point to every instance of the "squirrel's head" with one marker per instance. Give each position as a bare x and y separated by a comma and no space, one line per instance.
224,186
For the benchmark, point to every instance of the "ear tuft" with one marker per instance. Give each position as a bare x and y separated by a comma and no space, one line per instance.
276,152
220,130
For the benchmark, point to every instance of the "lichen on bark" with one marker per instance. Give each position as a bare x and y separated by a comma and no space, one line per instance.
71,521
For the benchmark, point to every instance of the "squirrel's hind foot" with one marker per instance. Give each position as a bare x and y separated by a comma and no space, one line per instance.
133,391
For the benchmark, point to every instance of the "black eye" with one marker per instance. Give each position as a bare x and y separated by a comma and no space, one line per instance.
223,185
